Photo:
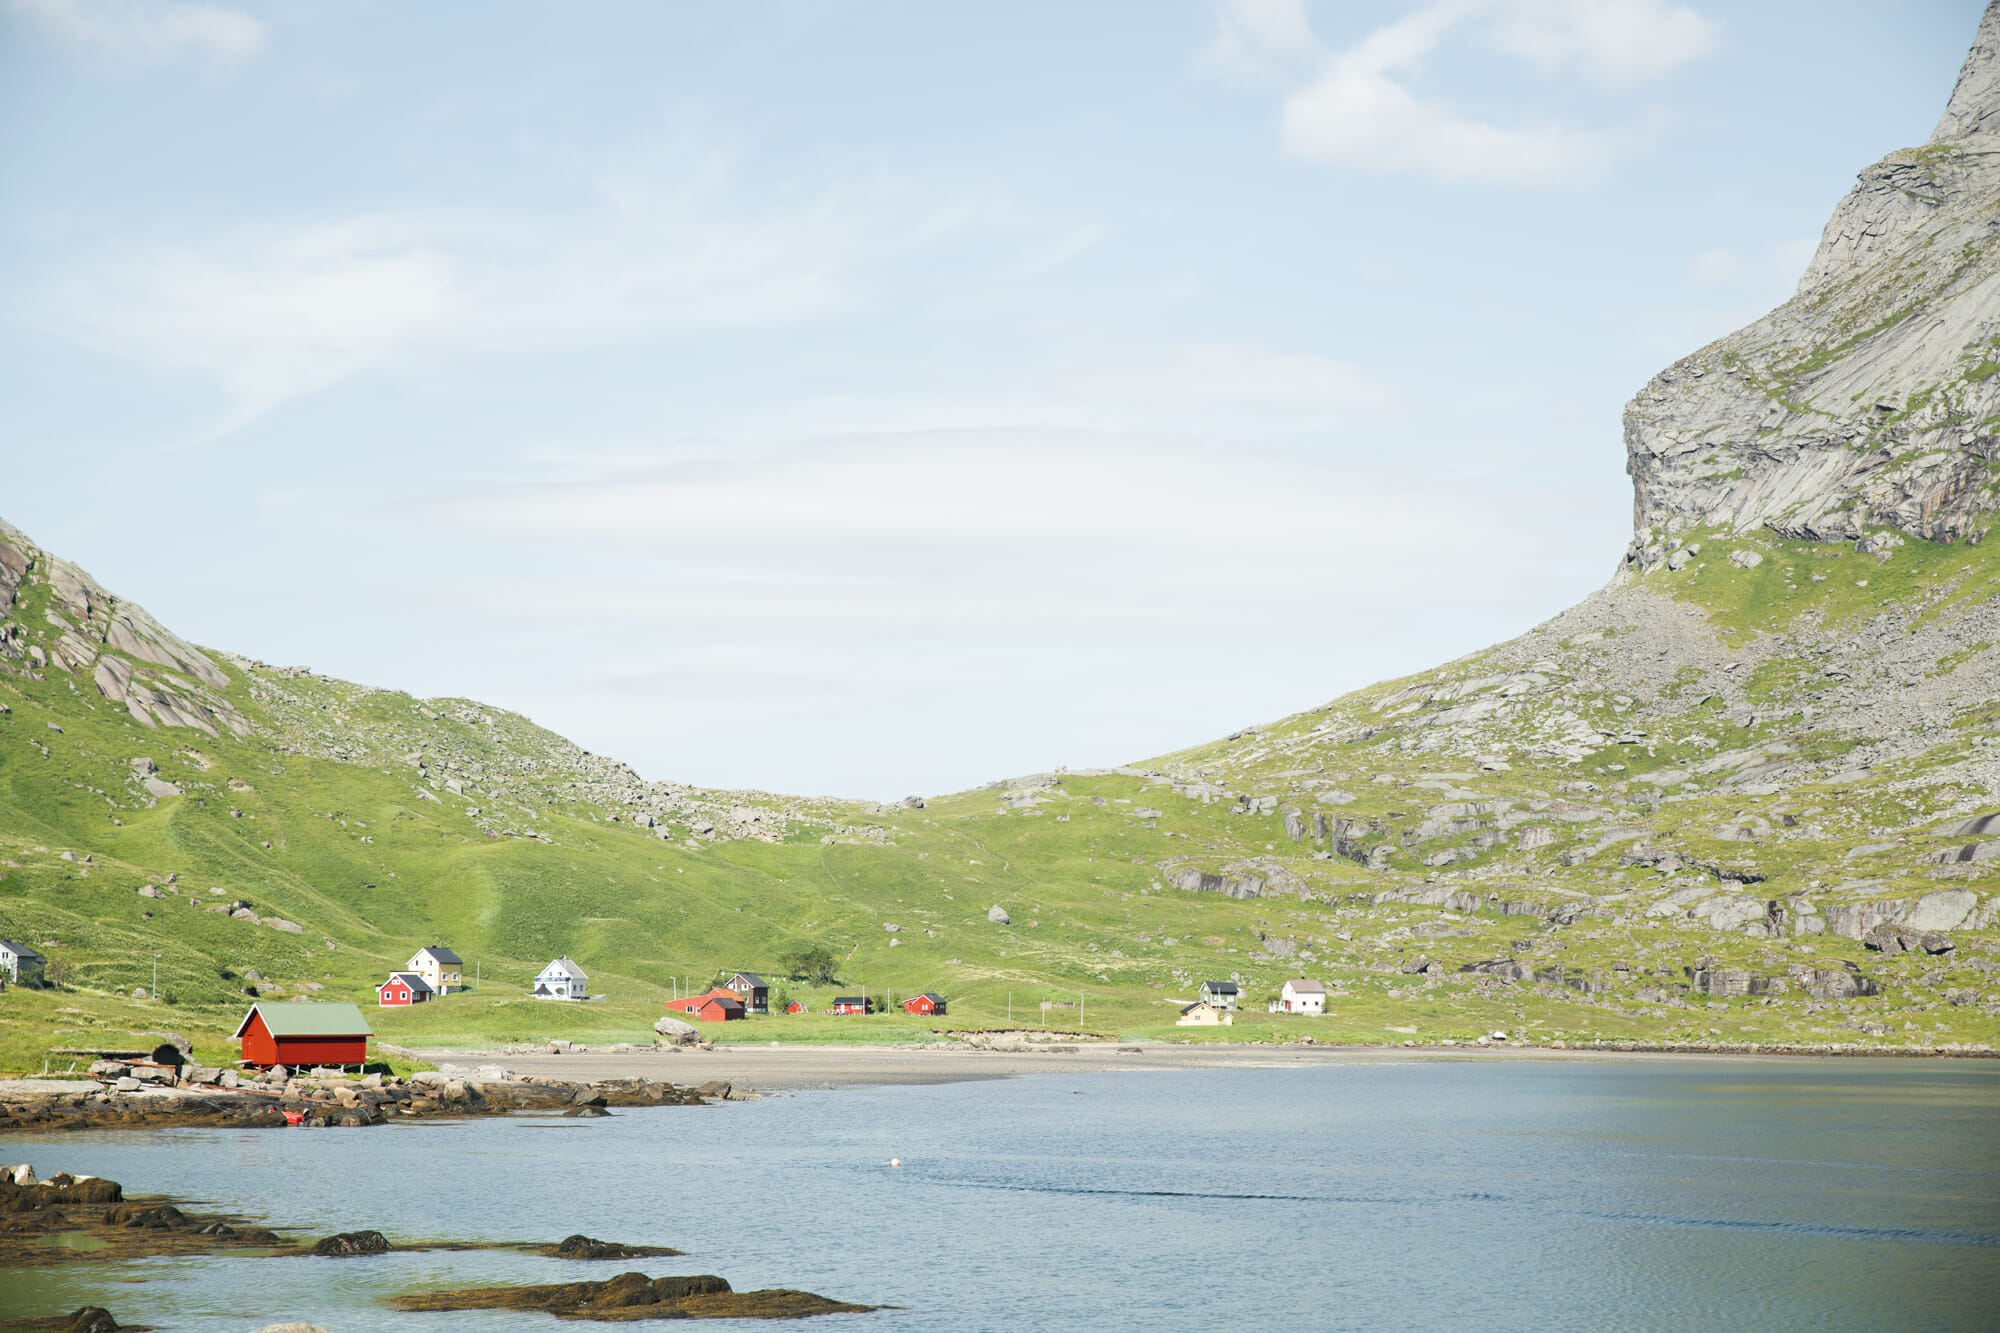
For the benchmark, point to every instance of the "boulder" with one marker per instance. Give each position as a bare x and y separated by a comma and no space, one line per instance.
674,1030
998,915
1944,910
89,1319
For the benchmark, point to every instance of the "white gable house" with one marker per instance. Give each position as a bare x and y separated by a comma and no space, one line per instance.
562,980
20,964
1300,997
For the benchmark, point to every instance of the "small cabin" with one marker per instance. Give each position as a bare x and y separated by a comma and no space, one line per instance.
796,1007
21,965
750,988
403,988
442,970
1221,994
849,1004
926,1003
1300,996
1202,1014
562,980
719,1005
302,1035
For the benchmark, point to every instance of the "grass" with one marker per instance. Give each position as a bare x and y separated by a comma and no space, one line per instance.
351,851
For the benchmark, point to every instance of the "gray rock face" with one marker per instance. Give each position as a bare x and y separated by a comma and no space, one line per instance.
1861,402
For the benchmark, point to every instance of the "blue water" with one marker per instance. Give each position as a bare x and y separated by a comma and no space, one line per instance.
1685,1195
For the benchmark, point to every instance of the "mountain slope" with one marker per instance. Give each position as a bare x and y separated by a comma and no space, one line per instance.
1748,792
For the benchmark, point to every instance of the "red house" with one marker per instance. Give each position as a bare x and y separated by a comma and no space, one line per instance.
796,1007
716,1006
403,988
927,1003
849,1004
304,1034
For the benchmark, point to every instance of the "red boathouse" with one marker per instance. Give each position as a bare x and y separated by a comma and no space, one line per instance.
927,1003
304,1034
717,1006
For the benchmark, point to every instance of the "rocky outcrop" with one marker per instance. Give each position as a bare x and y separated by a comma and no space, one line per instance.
1868,400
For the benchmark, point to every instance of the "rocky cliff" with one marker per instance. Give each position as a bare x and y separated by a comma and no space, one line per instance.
1870,399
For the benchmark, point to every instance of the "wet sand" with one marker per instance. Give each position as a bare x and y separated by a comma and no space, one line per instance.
791,1067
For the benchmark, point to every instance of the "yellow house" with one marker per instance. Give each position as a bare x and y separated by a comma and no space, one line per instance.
1202,1014
441,969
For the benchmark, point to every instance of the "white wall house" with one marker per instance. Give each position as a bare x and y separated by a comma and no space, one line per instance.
20,964
1300,997
562,980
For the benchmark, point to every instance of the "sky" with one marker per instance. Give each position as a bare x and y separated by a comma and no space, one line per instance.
883,398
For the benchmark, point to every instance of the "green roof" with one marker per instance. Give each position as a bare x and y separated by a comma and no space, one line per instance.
310,1020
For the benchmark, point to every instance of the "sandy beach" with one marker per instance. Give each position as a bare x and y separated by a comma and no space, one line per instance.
780,1068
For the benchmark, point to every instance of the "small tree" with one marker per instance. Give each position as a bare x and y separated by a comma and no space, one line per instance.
55,973
812,963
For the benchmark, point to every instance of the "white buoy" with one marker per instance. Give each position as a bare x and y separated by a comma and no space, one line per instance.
895,1161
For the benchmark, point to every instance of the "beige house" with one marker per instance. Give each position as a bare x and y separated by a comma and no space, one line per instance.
442,970
1202,1014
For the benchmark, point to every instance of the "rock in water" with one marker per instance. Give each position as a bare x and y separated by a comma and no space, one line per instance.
90,1319
353,1242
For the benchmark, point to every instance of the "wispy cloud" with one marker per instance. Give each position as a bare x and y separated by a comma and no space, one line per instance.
1365,106
150,32
272,312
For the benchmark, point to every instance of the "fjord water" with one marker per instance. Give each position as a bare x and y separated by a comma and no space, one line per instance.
1494,1194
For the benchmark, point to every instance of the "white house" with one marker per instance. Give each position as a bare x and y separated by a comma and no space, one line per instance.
442,970
20,964
1300,997
561,980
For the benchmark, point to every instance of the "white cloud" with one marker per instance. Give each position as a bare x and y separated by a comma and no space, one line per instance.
1361,106
1262,41
273,312
1613,43
150,32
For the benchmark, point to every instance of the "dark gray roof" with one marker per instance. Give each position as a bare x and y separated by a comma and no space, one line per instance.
752,978
848,999
413,980
1220,987
19,950
442,954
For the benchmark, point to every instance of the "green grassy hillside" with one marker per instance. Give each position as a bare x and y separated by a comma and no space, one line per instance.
1594,802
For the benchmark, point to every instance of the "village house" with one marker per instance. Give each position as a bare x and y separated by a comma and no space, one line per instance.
719,1005
304,1035
562,980
796,1007
750,988
926,1003
1202,1014
1300,997
849,1004
403,988
442,970
1221,994
22,965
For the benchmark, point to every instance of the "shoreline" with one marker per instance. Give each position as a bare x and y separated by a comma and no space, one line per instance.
801,1067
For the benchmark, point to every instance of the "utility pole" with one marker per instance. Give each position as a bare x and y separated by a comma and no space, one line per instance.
1010,1008
155,992
1079,1011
